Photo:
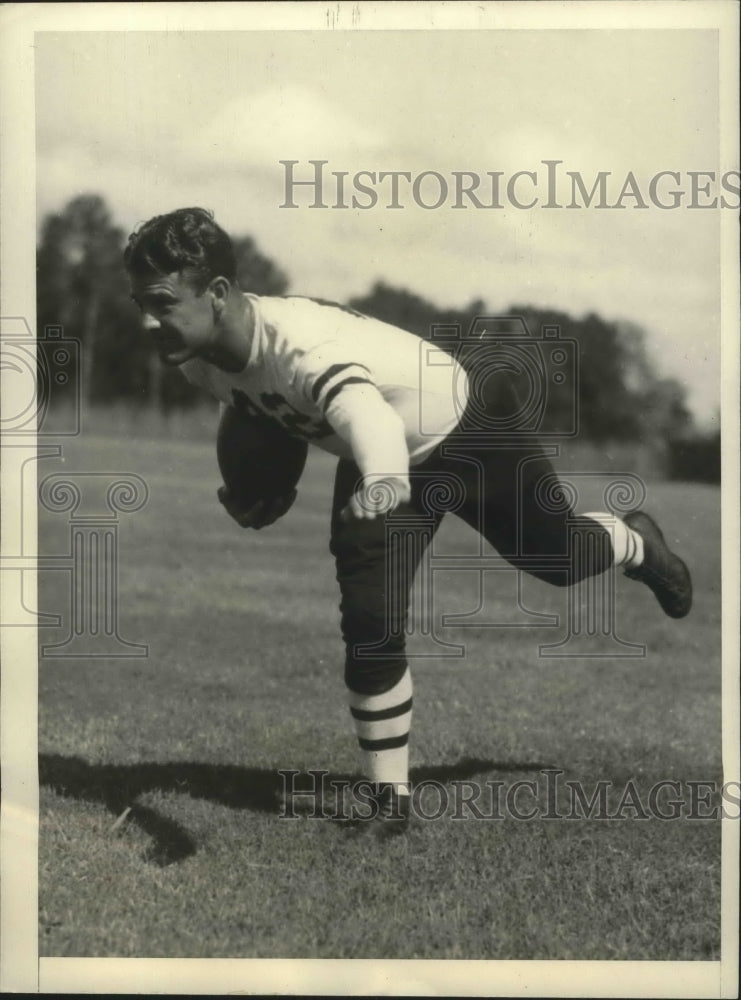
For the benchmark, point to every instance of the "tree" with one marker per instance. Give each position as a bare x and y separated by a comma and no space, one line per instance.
256,273
81,286
619,395
663,401
398,307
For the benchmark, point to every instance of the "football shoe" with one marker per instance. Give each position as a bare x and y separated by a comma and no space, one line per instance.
661,570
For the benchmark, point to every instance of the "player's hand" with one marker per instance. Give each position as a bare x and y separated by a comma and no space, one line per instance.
260,515
377,496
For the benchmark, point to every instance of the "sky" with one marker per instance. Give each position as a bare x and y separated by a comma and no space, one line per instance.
158,120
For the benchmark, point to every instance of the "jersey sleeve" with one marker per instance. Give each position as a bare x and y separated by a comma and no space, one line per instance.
345,392
373,429
324,371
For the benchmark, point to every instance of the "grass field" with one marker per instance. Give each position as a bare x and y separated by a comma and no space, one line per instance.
244,677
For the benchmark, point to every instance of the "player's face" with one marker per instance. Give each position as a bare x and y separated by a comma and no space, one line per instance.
180,320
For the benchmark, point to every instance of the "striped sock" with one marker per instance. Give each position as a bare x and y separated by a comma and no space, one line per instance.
382,723
627,545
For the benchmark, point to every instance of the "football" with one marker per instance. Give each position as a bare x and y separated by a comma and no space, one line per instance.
257,458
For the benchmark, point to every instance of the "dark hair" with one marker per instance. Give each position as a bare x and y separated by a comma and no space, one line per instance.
186,240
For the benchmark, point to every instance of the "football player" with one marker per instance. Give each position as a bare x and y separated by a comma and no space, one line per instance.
355,387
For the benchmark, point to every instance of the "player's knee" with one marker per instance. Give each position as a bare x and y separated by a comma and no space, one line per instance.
365,618
375,651
373,676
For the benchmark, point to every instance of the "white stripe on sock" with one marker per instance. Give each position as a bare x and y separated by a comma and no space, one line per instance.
627,545
389,765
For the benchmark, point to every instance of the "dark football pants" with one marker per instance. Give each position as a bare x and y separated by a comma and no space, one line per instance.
509,494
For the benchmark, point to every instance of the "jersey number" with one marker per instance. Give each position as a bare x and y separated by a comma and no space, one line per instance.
279,409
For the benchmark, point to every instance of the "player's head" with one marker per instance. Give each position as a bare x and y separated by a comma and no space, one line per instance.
182,272
186,242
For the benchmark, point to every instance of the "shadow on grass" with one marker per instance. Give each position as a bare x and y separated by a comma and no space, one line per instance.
118,786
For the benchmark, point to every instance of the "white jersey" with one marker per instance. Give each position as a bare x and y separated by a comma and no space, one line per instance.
304,352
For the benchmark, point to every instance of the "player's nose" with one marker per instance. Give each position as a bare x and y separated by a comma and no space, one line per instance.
150,322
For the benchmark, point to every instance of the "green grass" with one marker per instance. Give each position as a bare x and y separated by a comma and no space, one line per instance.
244,677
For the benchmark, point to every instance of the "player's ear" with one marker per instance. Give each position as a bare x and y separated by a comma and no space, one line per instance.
219,288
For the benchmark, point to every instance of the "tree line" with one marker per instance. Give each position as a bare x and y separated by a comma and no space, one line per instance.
82,287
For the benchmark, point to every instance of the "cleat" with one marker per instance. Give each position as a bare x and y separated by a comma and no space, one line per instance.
661,570
390,818
393,812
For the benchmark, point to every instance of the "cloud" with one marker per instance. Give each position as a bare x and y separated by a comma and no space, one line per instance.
278,123
154,122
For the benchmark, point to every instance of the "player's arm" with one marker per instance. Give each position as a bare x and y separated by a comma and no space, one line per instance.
343,390
375,432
